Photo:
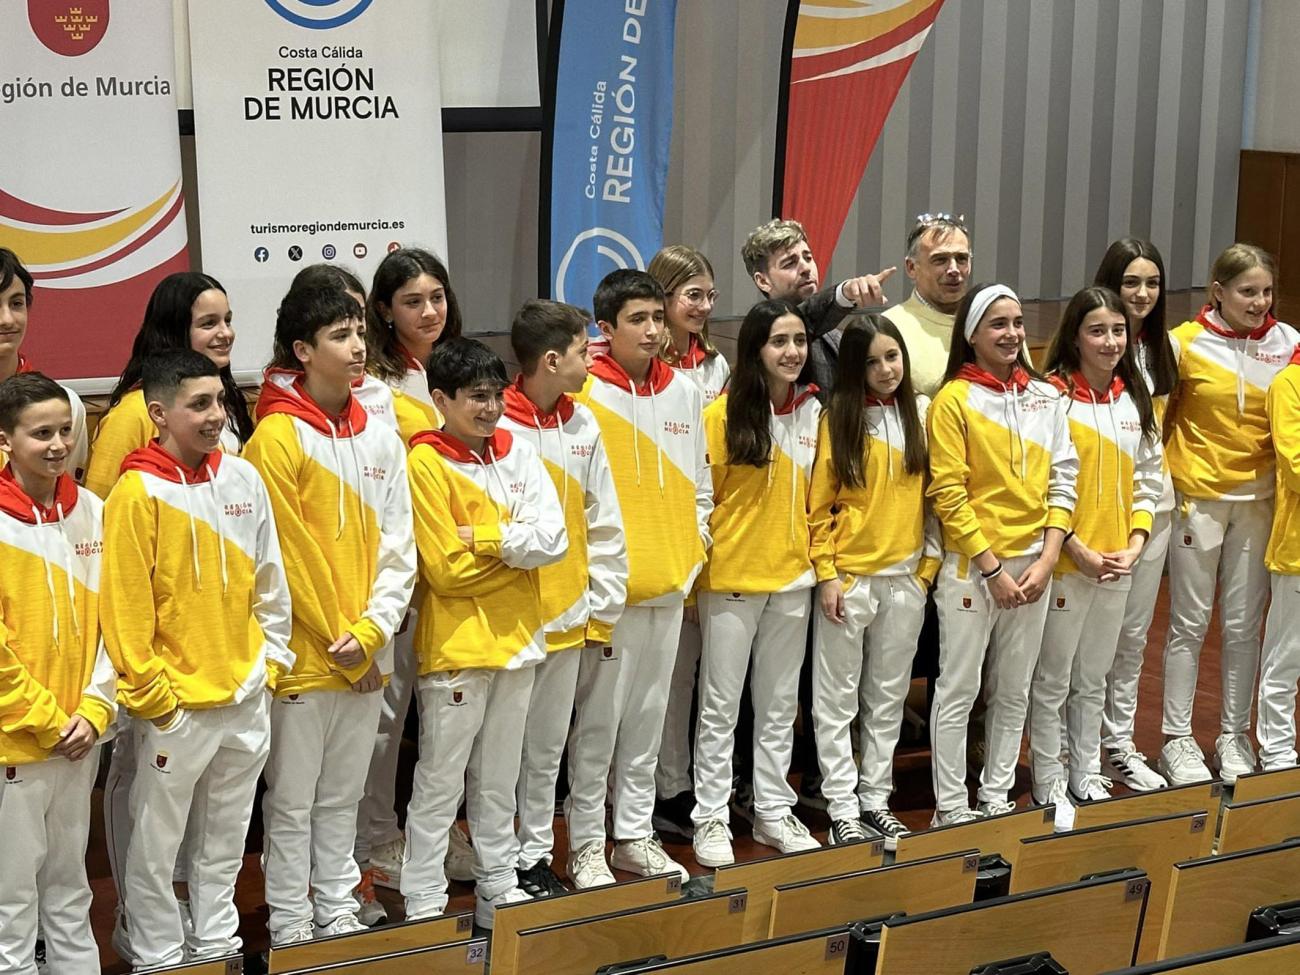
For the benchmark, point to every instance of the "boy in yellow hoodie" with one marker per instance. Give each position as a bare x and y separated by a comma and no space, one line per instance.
649,417
195,613
337,483
487,518
57,686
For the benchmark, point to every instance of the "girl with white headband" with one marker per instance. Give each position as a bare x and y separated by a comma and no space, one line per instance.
1221,459
1113,427
1003,474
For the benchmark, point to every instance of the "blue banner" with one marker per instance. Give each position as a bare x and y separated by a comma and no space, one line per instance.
609,130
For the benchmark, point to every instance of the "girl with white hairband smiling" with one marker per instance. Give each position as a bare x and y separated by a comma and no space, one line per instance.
1003,474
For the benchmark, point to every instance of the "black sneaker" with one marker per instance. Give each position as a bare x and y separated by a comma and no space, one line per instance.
810,791
673,816
886,824
540,880
846,831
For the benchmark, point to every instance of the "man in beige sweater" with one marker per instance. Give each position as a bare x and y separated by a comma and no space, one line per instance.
938,262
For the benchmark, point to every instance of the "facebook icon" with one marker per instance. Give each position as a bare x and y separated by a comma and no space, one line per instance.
261,255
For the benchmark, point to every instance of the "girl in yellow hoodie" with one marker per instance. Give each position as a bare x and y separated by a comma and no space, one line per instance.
1002,481
876,550
754,590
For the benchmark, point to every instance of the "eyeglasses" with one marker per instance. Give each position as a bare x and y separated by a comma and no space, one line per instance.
698,296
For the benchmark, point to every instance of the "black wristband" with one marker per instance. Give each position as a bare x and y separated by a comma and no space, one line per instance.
986,576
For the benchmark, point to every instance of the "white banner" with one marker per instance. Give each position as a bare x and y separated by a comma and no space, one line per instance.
318,133
90,173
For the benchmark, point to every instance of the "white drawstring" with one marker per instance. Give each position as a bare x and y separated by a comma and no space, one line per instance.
1119,491
194,534
221,530
488,462
356,469
654,437
1015,412
341,515
1241,347
564,460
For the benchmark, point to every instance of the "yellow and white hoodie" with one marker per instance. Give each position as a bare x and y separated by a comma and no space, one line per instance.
1161,404
1283,404
1002,466
1120,469
79,450
759,521
885,527
123,429
193,603
480,601
709,372
1219,448
412,403
584,593
52,661
343,513
655,440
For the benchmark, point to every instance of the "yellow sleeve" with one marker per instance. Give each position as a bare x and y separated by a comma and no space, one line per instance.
121,431
949,476
276,453
25,704
126,600
450,566
1283,407
823,488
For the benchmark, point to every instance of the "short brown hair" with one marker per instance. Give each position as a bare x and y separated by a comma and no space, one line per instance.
766,240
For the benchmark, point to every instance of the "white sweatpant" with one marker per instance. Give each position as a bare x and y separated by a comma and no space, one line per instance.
1223,539
673,773
969,623
771,629
377,814
550,710
621,700
321,743
1119,714
1278,674
471,737
45,822
862,669
202,768
1078,649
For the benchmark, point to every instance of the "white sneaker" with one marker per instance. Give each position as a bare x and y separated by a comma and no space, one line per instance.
343,924
1056,793
645,857
187,918
1181,762
1130,767
1090,788
1234,756
386,863
587,867
995,807
787,835
711,844
954,817
459,864
371,913
485,908
303,931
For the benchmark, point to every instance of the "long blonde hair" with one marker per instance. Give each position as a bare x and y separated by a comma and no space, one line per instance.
672,267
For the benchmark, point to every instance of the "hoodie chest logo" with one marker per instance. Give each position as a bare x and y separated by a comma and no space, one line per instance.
376,409
517,487
807,442
238,509
374,473
583,450
90,549
1272,358
677,428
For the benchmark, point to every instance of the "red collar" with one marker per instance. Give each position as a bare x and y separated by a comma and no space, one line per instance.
153,459
283,392
1203,316
15,503
695,353
453,448
1081,391
797,396
657,379
1295,356
24,364
1019,381
524,411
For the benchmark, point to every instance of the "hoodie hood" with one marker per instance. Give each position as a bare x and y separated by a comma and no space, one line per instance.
1081,391
695,354
152,459
453,448
605,369
527,413
24,364
1018,382
797,397
283,392
1213,321
15,502
1295,357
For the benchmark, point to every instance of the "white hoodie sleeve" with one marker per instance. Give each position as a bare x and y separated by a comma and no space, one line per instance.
1062,479
606,547
1148,477
535,534
272,608
395,565
703,475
